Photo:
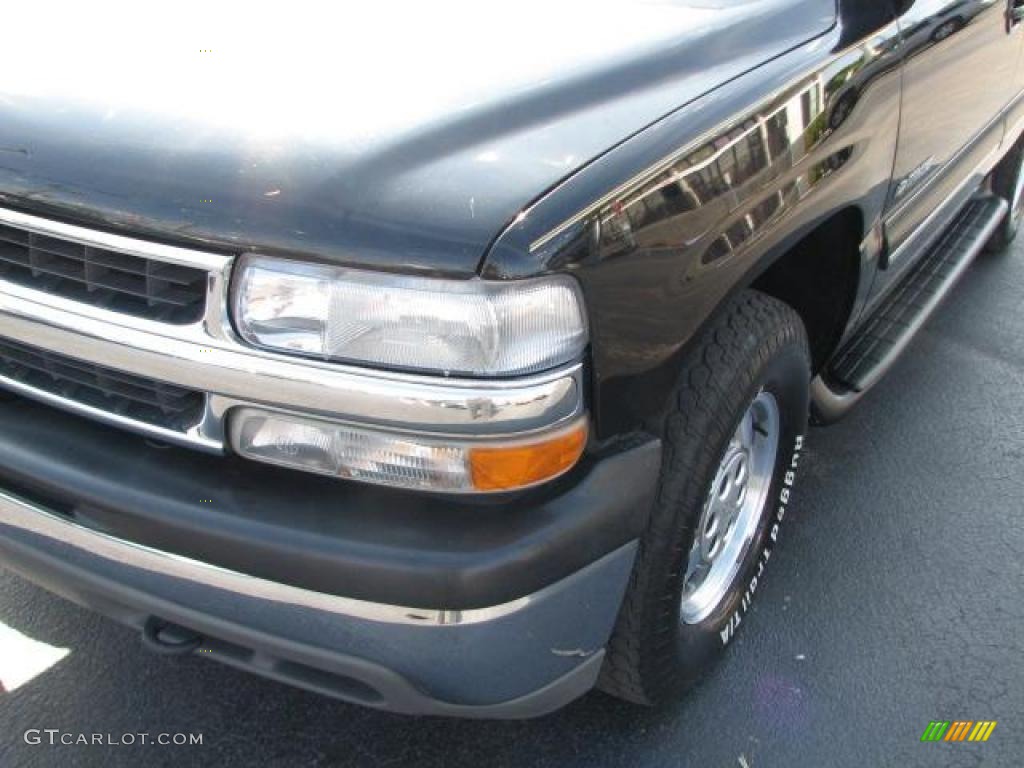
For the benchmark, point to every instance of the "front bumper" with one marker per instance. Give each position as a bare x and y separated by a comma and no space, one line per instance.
521,659
410,603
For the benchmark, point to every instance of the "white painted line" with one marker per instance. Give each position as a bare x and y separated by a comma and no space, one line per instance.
22,658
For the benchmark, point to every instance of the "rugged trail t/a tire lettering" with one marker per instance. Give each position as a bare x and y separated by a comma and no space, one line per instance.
741,399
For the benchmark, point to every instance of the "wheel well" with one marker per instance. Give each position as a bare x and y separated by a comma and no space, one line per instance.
819,278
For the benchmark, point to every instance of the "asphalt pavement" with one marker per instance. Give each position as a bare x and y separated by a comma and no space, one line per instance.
895,597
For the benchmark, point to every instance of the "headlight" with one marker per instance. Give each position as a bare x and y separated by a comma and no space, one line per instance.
470,327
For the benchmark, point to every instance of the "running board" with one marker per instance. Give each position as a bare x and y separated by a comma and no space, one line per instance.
880,341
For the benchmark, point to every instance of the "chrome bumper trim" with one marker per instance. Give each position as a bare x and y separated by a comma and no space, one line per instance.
31,519
208,357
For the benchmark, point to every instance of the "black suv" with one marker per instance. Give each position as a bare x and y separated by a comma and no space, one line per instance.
458,373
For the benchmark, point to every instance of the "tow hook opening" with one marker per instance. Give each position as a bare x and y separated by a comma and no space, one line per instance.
169,639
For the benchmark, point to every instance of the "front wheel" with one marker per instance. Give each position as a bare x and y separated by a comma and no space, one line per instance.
732,440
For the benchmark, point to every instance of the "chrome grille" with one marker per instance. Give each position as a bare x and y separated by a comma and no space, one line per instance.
133,397
120,282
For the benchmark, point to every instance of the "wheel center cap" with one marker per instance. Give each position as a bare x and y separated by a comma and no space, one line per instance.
725,503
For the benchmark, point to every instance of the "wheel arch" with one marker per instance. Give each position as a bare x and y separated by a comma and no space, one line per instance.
820,277
821,270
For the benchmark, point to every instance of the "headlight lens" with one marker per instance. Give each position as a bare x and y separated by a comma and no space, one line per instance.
471,327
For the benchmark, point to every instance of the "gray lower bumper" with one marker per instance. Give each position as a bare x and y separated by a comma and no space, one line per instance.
520,659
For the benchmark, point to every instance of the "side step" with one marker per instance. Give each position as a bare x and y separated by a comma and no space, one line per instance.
868,356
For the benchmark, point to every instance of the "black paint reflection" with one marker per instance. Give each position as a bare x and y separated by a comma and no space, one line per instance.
960,61
939,20
710,200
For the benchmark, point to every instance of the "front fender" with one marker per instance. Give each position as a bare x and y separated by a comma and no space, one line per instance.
664,227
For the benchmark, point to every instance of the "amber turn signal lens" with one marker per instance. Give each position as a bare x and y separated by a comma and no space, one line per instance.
524,464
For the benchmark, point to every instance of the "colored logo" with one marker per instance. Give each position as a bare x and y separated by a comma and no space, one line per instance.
958,730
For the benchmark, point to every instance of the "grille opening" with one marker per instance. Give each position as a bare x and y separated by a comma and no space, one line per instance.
119,282
327,682
225,650
132,397
293,672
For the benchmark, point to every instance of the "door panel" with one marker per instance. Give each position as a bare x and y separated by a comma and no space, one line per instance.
960,64
1015,118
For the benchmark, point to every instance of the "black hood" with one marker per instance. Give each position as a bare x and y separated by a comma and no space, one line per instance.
402,135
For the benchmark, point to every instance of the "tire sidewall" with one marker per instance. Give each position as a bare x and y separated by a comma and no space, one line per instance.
1015,166
785,377
1004,183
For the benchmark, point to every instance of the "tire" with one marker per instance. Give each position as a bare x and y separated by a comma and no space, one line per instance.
1008,183
756,347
